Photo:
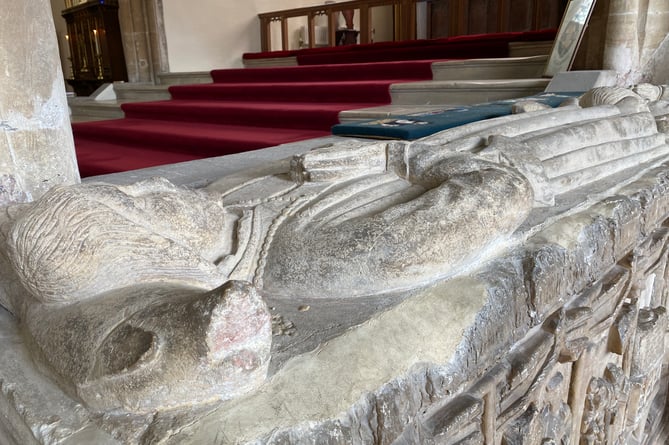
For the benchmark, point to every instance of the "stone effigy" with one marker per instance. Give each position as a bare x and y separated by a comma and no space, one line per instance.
510,274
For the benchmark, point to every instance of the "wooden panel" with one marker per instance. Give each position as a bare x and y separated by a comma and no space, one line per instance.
521,15
492,20
503,12
439,18
478,17
457,17
549,14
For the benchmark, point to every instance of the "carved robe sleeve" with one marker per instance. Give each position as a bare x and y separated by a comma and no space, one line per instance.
450,215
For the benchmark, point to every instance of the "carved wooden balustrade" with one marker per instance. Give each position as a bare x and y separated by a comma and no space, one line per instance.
444,18
404,20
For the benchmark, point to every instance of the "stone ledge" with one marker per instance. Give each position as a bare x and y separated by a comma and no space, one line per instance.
167,79
507,68
463,92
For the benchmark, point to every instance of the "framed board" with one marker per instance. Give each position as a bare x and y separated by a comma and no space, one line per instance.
570,33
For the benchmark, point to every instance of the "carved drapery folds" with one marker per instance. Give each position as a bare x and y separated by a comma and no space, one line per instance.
591,373
545,233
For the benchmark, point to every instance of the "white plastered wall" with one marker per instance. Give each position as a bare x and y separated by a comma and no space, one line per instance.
208,34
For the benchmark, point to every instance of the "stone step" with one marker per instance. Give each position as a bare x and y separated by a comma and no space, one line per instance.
481,69
106,102
525,49
464,92
270,62
388,111
140,91
85,109
184,78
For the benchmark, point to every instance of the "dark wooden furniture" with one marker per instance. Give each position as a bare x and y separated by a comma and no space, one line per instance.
96,49
459,17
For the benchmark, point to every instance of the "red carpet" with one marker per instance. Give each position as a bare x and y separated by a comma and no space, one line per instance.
247,109
268,115
141,143
457,47
416,69
349,91
244,109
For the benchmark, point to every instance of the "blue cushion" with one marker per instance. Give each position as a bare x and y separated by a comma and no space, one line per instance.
418,125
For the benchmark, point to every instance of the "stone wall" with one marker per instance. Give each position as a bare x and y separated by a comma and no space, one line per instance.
629,37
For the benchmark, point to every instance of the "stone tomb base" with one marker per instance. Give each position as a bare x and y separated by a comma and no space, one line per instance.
560,339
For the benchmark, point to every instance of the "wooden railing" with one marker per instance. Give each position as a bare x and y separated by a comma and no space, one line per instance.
404,20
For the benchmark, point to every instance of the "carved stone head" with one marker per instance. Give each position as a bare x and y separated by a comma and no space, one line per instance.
79,242
155,347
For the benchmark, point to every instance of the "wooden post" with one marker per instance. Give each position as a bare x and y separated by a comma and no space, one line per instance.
502,16
265,39
311,31
332,26
365,24
284,33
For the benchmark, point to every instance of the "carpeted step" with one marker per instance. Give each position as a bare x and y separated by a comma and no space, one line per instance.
413,69
406,49
190,138
101,158
376,91
242,111
309,116
458,50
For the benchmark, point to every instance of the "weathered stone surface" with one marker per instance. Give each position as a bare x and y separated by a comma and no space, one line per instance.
151,347
501,282
61,251
396,243
634,36
36,146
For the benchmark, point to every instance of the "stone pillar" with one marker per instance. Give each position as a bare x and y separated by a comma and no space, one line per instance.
144,41
655,29
155,23
36,145
621,52
635,32
655,56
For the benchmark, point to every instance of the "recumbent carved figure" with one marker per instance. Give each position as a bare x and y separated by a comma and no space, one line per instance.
127,292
